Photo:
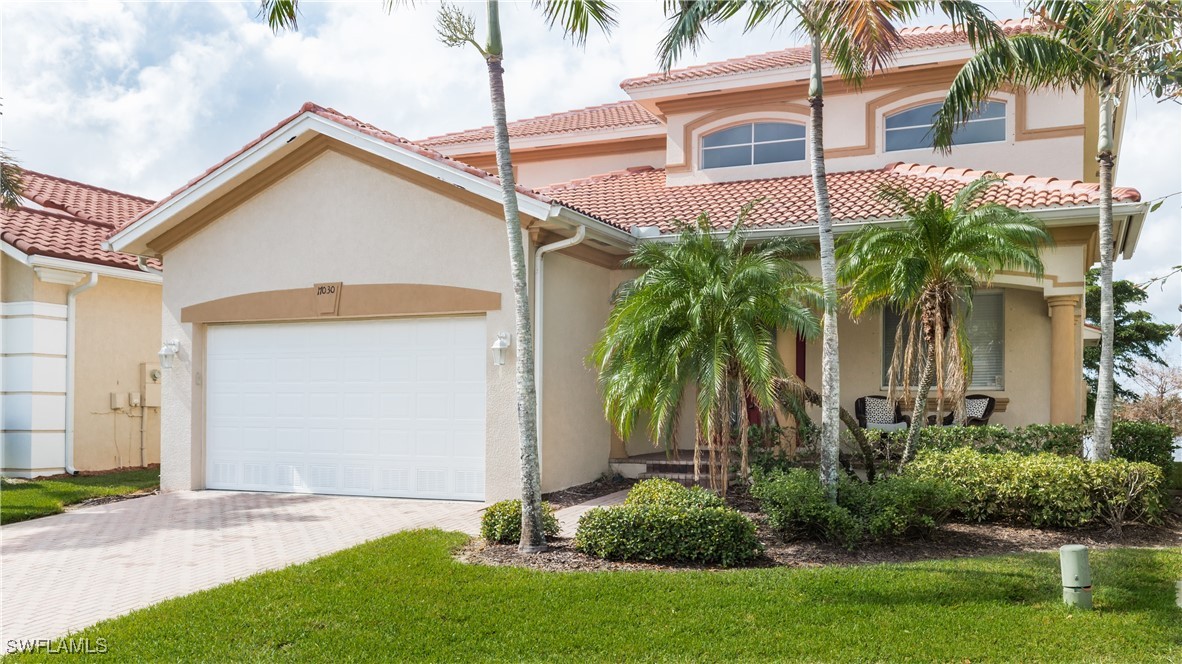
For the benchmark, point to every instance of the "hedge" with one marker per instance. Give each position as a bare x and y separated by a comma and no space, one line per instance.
662,521
1131,440
1046,489
900,507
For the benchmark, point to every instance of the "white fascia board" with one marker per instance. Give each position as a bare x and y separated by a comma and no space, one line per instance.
86,268
799,73
13,253
132,238
557,140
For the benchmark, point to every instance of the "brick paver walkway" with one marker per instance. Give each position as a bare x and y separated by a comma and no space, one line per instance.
65,572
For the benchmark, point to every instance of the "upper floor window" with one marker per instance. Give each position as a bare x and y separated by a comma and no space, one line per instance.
753,143
912,129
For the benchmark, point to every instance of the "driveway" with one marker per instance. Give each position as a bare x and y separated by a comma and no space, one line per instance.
65,572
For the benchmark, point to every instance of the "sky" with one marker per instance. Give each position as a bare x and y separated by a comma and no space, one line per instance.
141,97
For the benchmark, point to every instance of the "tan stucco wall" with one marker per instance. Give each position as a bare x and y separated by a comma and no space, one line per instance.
16,280
117,329
576,437
335,219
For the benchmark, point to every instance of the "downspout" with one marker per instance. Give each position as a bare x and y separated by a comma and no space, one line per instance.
71,315
539,299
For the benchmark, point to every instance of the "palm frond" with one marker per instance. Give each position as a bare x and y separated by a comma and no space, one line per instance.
576,17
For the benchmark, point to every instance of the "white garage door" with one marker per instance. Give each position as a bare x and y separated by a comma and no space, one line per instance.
371,408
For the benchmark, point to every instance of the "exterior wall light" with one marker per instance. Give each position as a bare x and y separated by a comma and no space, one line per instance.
168,351
504,340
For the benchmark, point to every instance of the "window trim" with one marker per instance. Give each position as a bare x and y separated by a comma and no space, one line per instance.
701,143
1008,102
884,358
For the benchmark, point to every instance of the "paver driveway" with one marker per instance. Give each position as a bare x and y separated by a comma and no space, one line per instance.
64,572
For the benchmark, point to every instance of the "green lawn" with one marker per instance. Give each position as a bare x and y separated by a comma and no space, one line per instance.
21,500
403,598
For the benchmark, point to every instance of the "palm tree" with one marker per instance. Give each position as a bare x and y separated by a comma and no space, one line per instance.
1109,46
857,36
457,28
11,188
704,315
926,268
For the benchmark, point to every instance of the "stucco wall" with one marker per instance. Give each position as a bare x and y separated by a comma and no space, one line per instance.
335,219
117,329
576,436
553,171
1025,150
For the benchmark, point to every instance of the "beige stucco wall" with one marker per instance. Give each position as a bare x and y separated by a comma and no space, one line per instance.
554,171
1046,154
576,437
335,219
117,329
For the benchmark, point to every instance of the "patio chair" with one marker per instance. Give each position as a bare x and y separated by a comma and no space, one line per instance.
875,412
978,408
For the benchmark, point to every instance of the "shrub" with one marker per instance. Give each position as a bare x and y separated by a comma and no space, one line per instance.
659,491
501,522
798,507
902,507
1045,489
668,533
1150,442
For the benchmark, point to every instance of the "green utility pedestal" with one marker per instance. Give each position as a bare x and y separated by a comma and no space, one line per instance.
1077,575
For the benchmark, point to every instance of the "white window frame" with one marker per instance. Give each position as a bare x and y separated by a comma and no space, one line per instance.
803,140
908,104
885,356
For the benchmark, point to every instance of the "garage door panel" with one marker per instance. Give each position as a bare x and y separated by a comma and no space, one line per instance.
388,408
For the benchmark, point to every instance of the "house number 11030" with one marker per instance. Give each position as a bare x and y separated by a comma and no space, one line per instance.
326,290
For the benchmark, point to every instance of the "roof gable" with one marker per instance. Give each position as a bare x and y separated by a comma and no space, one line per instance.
281,141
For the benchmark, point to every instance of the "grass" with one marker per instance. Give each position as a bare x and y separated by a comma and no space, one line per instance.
28,499
404,598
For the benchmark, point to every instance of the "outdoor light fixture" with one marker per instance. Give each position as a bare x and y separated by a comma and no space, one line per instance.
168,351
499,347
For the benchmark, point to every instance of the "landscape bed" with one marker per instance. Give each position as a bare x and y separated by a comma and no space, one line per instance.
405,597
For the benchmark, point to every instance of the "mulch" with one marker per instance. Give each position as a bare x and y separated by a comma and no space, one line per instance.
103,500
953,540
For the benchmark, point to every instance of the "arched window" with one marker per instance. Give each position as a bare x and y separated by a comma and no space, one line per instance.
912,129
753,143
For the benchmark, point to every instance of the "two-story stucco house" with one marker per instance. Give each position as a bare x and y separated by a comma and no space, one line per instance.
340,296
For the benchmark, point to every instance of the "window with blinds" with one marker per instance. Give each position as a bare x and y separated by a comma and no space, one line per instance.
985,328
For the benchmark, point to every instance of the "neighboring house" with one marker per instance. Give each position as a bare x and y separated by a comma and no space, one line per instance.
339,295
80,334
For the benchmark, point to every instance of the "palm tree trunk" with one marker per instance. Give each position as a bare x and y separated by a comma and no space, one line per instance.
830,377
1102,436
919,410
533,538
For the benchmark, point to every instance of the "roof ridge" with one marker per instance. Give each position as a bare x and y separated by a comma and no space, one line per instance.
947,28
443,138
92,187
64,215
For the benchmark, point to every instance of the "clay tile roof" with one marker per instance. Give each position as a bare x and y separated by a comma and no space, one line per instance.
351,123
608,116
71,222
639,197
913,39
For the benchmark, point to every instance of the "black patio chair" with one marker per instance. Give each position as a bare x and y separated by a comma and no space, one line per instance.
875,412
